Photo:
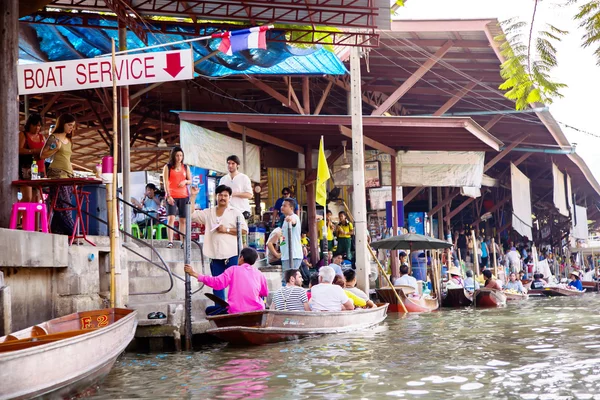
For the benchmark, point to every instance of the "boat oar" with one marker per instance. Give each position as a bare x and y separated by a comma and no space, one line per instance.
387,278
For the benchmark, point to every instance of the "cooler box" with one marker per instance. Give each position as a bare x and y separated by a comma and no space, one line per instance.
419,267
256,237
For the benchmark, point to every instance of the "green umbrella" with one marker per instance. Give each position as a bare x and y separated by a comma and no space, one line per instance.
411,241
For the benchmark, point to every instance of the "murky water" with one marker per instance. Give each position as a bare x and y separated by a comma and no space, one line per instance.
540,349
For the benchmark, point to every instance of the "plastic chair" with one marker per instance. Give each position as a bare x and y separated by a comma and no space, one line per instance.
29,212
161,232
135,230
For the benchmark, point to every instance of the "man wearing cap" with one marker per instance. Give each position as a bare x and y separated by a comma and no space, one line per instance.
240,185
576,282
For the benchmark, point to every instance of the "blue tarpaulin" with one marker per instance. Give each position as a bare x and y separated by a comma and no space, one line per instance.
58,43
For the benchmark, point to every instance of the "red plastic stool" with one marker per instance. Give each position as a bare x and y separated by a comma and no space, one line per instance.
30,212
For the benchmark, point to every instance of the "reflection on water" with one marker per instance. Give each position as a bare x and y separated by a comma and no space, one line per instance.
540,349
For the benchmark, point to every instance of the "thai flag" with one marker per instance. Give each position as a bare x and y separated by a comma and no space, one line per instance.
243,39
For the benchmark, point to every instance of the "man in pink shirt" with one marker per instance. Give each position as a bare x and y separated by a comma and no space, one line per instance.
246,284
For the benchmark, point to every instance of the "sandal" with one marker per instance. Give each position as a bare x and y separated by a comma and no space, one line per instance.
156,315
170,245
182,245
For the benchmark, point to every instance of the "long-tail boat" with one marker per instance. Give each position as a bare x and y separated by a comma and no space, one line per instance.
412,304
456,298
489,298
560,292
590,286
268,326
65,356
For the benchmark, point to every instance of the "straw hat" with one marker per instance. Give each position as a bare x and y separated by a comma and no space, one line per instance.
576,273
454,271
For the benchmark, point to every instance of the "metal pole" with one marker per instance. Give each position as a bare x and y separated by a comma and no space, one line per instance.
126,170
394,262
359,202
188,283
324,233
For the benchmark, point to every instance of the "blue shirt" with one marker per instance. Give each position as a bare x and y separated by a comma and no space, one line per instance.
337,269
279,203
484,250
576,284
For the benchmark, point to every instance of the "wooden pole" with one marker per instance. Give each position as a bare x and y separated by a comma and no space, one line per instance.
387,278
114,228
395,210
495,258
474,255
358,173
311,208
125,147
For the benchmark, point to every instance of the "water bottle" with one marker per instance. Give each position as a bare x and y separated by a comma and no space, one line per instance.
34,171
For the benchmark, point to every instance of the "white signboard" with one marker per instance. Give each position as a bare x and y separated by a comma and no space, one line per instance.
380,195
440,168
134,69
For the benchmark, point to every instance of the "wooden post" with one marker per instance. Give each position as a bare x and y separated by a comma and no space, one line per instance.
358,174
440,216
125,147
114,226
494,257
311,206
384,274
475,258
395,210
9,107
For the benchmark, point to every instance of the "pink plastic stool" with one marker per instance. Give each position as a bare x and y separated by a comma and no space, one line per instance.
29,211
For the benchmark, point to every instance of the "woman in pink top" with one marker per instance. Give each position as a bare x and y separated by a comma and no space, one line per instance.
247,285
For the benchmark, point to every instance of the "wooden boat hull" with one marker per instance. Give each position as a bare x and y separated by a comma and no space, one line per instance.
412,304
590,286
516,296
64,367
264,327
456,298
489,298
558,292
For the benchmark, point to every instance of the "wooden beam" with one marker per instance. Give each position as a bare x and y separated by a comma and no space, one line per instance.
413,79
306,94
414,193
458,209
368,141
323,98
292,93
504,227
496,207
337,153
272,92
448,200
521,159
49,104
493,122
233,127
503,153
455,99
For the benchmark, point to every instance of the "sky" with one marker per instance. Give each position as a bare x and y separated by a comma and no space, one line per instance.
577,67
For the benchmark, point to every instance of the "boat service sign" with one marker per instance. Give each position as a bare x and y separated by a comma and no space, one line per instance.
89,73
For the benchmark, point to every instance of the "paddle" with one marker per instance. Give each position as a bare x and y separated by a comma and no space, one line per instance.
218,301
387,279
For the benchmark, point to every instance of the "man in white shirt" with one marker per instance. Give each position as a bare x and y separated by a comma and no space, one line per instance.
291,297
220,239
291,221
240,185
405,279
328,297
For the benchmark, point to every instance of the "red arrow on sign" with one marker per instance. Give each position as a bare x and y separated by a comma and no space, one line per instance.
174,66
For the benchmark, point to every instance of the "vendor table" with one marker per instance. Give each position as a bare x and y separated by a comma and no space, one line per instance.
76,183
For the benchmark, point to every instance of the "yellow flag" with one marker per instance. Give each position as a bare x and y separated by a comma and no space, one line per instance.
322,176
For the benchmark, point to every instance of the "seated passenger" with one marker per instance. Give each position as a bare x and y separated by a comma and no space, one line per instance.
291,297
470,283
576,282
246,284
514,284
328,297
538,282
455,280
336,263
405,279
357,301
589,275
314,281
350,276
490,282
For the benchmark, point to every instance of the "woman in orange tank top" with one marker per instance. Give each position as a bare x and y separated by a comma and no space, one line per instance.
176,176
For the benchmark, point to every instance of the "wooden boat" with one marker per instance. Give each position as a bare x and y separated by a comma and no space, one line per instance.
64,356
268,326
516,296
489,298
560,292
412,304
456,298
590,286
